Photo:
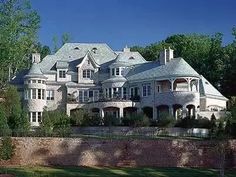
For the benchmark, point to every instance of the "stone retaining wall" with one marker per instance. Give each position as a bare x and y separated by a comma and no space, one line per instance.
94,152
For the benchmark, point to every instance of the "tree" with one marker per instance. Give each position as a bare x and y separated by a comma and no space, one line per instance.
55,122
65,38
12,106
3,122
18,34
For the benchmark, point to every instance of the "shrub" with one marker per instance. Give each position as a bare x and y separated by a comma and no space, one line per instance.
4,129
136,120
55,122
166,120
187,122
82,118
6,149
110,120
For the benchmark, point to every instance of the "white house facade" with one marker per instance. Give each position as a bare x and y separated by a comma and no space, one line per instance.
95,78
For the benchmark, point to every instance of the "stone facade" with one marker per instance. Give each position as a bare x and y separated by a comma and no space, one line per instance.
134,153
95,78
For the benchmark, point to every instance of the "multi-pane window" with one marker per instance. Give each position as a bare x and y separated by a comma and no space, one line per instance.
50,94
158,88
113,71
33,116
33,81
85,96
124,92
43,94
33,93
26,94
39,93
88,73
146,90
117,71
39,116
62,74
81,96
39,81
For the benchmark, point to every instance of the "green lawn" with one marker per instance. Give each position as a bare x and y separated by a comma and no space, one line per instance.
111,172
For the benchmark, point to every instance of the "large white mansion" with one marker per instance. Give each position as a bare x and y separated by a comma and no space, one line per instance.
102,81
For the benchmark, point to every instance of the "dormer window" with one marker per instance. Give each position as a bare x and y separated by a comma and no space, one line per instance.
131,58
117,71
62,74
94,50
76,48
88,73
113,71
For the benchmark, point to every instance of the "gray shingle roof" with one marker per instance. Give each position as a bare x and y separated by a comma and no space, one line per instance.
208,90
35,71
62,64
71,52
128,59
177,67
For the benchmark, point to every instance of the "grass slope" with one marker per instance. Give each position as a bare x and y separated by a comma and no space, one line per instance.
111,172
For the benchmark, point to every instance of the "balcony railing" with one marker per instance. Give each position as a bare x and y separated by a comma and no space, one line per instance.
102,98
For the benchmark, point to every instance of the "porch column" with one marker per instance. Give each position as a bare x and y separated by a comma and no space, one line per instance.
121,113
101,113
154,117
171,110
172,84
122,96
189,87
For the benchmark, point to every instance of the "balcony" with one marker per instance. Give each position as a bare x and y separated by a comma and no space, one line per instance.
177,97
101,98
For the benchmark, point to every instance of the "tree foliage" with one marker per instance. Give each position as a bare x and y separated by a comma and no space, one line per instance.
205,53
18,34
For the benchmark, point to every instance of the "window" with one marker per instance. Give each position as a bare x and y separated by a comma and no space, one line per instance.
131,58
80,96
26,94
146,90
124,92
149,89
85,96
96,95
43,82
113,71
43,94
33,116
88,62
117,71
39,81
88,73
39,116
50,94
39,93
62,74
33,93
33,81
158,88
29,81
90,94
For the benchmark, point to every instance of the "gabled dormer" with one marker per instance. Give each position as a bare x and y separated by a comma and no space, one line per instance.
87,69
62,68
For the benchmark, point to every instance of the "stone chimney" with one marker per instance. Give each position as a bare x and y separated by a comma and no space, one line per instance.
126,49
36,58
166,55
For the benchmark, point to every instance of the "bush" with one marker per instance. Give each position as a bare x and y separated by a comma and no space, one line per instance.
4,129
82,118
55,123
136,120
166,120
110,120
6,149
187,122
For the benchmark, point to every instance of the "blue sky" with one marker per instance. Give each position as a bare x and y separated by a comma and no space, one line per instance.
133,22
